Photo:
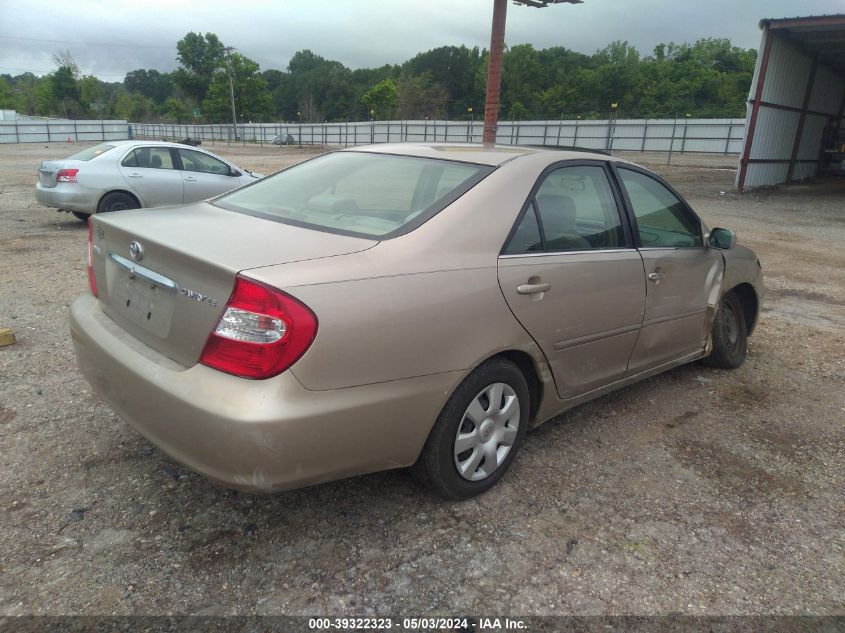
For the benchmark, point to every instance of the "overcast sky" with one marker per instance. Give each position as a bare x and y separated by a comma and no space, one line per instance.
108,37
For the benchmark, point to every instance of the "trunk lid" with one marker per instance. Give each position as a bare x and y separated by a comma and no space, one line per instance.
49,168
165,275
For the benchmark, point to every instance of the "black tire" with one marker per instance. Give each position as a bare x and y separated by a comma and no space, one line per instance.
730,334
437,466
81,216
117,201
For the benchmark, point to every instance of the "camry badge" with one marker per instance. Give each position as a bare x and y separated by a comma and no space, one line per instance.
136,251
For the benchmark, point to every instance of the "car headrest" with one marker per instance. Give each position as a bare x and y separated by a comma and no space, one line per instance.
558,213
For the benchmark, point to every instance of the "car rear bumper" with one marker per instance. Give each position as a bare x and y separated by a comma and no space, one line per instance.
70,197
255,435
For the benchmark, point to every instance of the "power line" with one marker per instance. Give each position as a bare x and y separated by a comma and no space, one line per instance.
38,39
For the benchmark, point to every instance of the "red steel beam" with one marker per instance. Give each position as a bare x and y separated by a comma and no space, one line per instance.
755,110
494,72
800,130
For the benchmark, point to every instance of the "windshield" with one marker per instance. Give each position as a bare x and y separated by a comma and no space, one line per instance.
357,193
91,152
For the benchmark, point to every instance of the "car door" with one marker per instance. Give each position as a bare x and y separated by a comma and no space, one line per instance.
205,176
571,275
150,171
683,275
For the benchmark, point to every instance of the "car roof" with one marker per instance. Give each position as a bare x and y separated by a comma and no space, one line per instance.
476,153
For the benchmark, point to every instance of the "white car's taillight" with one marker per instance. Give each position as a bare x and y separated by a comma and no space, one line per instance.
91,280
262,332
66,175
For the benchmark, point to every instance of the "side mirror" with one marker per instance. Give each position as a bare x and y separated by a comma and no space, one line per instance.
234,172
724,239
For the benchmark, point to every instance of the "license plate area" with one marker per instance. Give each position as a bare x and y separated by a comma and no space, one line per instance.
140,294
47,177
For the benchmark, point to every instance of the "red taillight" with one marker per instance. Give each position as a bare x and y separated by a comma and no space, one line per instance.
66,175
262,332
92,282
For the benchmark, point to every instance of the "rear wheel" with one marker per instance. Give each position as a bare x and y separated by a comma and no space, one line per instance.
117,201
730,335
478,432
81,216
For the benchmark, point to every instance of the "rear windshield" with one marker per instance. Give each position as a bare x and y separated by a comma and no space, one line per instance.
92,152
358,193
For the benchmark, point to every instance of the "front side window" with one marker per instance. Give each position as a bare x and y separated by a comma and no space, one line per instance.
197,161
662,219
149,158
360,193
576,210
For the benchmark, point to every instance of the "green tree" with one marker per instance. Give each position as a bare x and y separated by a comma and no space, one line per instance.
7,97
419,97
91,94
123,106
381,99
199,56
150,83
174,111
252,100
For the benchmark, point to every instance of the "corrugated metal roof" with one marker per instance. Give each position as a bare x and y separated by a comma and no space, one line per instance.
822,34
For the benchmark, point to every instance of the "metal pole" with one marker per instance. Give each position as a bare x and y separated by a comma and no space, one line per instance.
790,172
672,140
728,140
645,134
494,72
755,110
231,89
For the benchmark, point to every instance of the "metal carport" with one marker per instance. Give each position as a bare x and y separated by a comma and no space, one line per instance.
798,89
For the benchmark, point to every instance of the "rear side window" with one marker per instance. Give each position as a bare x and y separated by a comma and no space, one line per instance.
358,193
573,209
92,152
149,158
662,219
526,238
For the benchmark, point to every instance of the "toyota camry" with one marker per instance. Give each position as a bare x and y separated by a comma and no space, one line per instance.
402,305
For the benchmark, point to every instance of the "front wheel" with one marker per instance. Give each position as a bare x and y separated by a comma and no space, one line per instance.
117,201
478,432
730,334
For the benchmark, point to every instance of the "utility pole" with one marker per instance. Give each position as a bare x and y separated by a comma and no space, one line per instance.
229,49
494,72
495,63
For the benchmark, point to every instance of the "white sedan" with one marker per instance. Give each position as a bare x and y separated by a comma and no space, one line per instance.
131,174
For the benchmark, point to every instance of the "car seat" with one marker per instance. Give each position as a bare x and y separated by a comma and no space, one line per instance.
558,215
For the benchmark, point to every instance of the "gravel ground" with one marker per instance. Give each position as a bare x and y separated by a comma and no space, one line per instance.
697,492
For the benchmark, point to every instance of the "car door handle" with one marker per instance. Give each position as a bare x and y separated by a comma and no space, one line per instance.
530,289
190,179
656,276
135,174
